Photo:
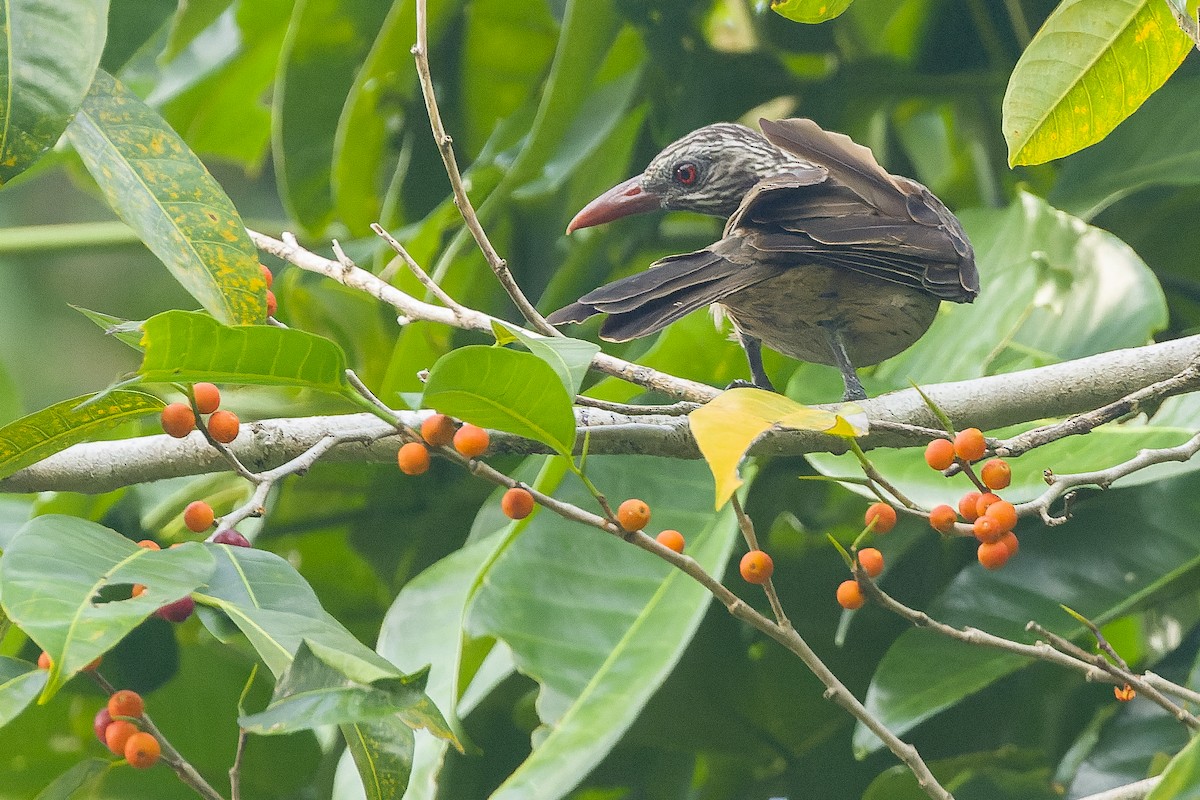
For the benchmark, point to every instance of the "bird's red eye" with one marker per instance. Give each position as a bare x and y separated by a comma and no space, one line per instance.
686,173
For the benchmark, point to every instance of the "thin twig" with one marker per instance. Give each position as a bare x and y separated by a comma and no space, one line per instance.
415,268
674,409
1138,790
747,528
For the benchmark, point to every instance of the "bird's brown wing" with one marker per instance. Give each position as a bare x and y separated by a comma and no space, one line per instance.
673,287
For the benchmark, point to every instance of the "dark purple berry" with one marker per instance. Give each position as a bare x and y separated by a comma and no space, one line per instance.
178,611
231,537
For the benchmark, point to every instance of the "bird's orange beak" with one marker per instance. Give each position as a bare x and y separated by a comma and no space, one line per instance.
620,201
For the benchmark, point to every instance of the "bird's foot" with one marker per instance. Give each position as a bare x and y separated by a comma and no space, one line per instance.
741,384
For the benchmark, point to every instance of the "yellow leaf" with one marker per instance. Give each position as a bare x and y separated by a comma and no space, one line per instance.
726,427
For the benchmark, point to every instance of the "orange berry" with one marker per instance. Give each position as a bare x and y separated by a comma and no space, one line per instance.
471,440
138,589
849,595
883,515
996,474
966,506
208,397
969,445
142,750
517,503
117,735
178,420
633,514
44,661
987,529
1124,693
94,664
1009,540
939,454
671,539
126,703
984,501
267,276
198,516
438,430
223,426
942,518
756,567
272,303
413,458
871,560
149,544
1005,514
992,555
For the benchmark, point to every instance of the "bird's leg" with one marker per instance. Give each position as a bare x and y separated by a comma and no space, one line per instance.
854,389
753,348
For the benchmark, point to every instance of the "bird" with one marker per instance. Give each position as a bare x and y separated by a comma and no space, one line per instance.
825,257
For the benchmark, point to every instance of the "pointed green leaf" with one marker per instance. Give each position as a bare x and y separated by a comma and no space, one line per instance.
383,753
161,190
84,773
20,683
126,331
189,346
810,11
48,55
569,358
43,433
497,388
54,584
1181,778
1090,66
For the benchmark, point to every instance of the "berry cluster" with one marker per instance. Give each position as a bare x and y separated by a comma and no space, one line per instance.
118,727
439,430
272,303
179,420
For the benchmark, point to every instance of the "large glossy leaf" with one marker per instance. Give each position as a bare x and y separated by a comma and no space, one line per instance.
1090,564
84,773
54,580
1123,745
1181,778
810,11
1159,145
20,683
48,55
163,192
43,433
1053,289
597,623
1090,66
494,387
569,358
383,753
325,45
187,346
276,610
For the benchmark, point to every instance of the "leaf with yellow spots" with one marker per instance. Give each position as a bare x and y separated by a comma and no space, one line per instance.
48,55
161,190
726,427
810,11
1092,64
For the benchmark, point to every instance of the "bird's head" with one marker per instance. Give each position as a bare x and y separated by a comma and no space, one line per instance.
708,171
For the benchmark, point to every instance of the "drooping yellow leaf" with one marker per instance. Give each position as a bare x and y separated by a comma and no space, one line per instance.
726,427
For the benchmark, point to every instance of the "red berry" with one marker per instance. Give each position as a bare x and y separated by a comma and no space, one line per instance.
438,430
1009,540
984,501
142,750
267,276
756,567
149,544
223,426
849,595
996,474
993,555
413,458
942,518
883,515
208,397
1005,514
178,420
633,514
871,560
198,516
125,703
178,611
671,539
987,529
969,445
272,303
939,454
231,537
517,503
966,506
44,661
100,724
117,734
471,441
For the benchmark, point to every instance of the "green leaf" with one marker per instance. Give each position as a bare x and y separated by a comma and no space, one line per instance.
1090,66
126,331
569,358
1181,778
49,54
598,669
497,388
61,579
43,433
810,11
383,752
1158,146
190,346
162,191
311,693
189,21
83,774
1086,563
20,683
276,609
326,43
